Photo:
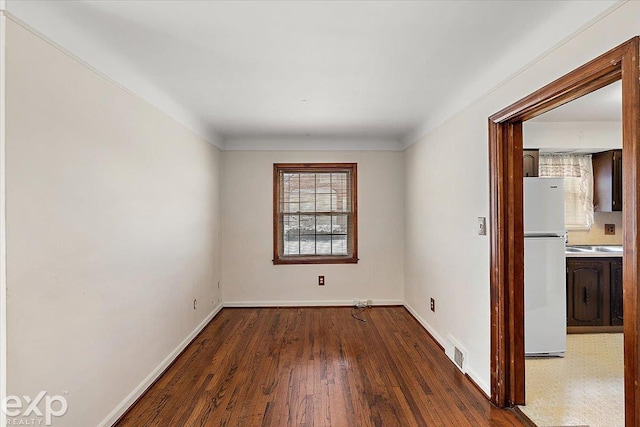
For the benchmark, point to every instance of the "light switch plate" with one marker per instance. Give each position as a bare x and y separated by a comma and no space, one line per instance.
482,226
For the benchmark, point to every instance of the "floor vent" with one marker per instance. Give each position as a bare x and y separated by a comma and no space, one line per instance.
458,357
456,353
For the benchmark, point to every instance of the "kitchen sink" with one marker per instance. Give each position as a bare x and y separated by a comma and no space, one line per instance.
607,248
595,248
570,249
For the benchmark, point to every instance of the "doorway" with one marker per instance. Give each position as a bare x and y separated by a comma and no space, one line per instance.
507,233
576,305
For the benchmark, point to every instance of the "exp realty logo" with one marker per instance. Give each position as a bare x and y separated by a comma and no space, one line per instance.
28,411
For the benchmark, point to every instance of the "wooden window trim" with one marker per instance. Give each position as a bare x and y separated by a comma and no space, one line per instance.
315,259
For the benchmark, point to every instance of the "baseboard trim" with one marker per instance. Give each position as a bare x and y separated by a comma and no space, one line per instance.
436,337
481,386
470,375
133,397
328,303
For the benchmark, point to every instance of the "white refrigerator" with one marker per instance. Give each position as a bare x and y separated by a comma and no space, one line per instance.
545,319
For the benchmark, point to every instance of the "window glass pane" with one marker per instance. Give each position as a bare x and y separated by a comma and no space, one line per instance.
339,181
323,183
323,244
290,207
307,201
323,202
291,247
292,187
291,224
286,187
307,245
575,214
577,170
323,224
339,244
308,224
339,224
308,181
340,185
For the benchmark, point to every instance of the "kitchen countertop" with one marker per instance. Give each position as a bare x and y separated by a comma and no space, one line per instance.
594,251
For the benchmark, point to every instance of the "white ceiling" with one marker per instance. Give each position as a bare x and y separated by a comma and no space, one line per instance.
378,72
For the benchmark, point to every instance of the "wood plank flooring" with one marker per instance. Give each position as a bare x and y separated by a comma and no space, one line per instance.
314,367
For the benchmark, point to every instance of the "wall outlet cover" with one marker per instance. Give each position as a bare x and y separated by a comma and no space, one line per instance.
610,229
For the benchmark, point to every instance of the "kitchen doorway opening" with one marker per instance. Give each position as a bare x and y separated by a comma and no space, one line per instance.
573,293
507,231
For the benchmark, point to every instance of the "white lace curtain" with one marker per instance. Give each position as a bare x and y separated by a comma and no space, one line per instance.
577,171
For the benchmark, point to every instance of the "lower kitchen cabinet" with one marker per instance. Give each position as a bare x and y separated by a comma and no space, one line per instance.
594,294
587,288
616,293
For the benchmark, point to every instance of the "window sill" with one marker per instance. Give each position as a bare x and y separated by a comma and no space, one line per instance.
315,260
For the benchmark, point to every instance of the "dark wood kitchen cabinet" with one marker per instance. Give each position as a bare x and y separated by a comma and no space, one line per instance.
594,294
587,288
607,181
616,292
530,163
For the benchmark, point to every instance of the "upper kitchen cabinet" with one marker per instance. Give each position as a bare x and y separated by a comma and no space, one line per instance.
607,181
529,163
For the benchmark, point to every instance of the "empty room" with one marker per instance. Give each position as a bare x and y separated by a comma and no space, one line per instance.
319,213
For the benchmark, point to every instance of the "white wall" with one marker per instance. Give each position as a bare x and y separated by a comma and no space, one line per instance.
596,236
113,229
447,188
248,274
578,135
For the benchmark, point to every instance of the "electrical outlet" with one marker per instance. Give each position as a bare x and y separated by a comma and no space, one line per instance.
195,304
320,280
610,229
369,303
432,305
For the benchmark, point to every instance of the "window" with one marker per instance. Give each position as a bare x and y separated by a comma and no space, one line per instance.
315,213
577,171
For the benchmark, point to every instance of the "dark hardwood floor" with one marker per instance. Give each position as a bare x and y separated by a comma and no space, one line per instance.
314,367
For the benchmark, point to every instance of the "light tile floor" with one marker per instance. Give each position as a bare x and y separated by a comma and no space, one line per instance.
585,388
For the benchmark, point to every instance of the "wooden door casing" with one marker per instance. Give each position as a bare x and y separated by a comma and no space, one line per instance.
506,217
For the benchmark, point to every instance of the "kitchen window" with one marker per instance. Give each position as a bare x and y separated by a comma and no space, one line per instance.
577,171
315,217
